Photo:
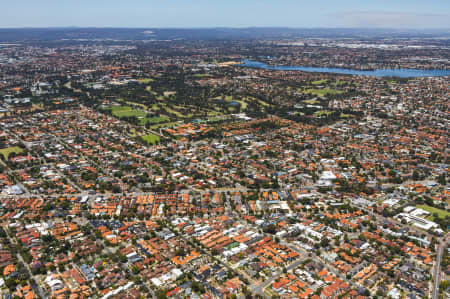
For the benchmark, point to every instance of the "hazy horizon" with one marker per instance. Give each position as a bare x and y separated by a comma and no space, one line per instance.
233,27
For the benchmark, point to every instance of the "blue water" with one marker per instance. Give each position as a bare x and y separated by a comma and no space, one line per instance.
403,73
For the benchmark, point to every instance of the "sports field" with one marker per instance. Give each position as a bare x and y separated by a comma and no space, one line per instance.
7,151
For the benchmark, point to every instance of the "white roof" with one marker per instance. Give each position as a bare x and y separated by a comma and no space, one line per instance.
409,209
328,175
156,282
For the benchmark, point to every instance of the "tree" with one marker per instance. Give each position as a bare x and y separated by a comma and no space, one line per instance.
11,283
442,179
197,287
445,284
135,270
324,242
161,294
270,229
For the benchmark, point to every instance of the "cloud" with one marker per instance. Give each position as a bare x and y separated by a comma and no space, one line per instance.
391,19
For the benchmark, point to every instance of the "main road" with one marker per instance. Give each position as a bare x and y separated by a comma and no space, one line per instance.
34,285
437,268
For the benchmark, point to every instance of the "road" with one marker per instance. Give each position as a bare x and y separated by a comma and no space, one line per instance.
312,255
87,192
242,276
437,268
259,289
34,285
124,267
68,180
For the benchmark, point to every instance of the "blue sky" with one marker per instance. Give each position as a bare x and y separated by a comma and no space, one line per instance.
226,13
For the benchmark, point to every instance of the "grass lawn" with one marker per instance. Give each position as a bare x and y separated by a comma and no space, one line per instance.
132,103
170,110
343,115
7,151
126,111
132,132
230,99
156,119
169,93
243,104
145,80
165,125
200,75
121,111
216,118
319,82
322,112
150,138
322,92
432,210
213,113
311,102
263,103
155,107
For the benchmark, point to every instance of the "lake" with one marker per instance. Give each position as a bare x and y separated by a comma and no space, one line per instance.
403,73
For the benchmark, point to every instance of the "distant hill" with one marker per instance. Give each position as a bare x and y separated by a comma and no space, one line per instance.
92,34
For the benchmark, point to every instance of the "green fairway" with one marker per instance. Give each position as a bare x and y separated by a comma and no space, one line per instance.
165,125
126,111
132,103
231,99
200,75
156,119
322,92
432,210
262,103
343,115
311,102
243,104
216,118
7,151
121,111
322,113
145,80
174,112
213,113
319,82
150,138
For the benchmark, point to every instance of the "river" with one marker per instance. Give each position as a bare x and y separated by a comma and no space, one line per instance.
402,73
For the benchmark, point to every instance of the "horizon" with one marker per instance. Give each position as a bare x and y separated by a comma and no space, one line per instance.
233,27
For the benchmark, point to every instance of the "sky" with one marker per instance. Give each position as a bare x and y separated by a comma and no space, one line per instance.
414,14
